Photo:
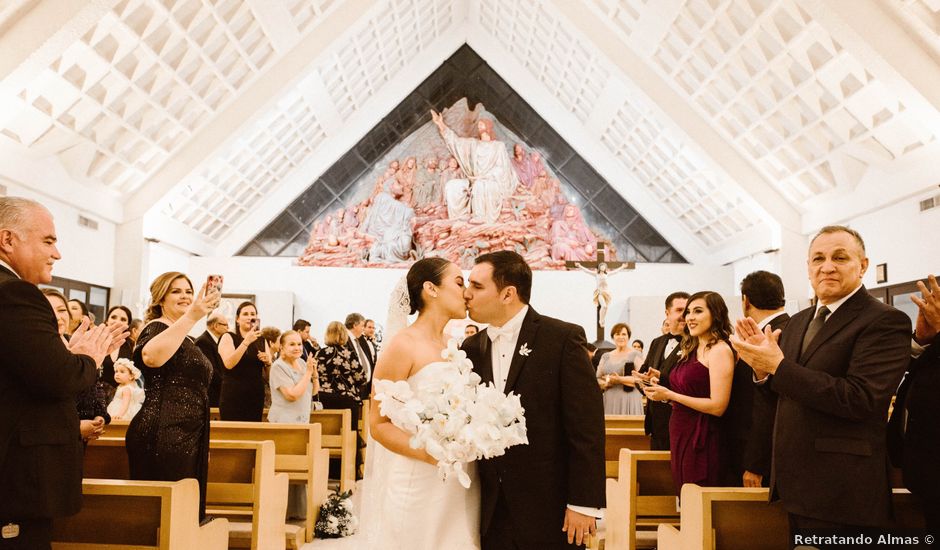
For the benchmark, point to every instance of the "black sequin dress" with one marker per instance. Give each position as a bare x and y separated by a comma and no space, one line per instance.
168,440
242,396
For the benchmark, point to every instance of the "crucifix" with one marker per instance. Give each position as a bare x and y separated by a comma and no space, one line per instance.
601,269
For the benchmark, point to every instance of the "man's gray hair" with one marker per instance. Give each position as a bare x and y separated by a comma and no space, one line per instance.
353,319
841,229
215,317
15,212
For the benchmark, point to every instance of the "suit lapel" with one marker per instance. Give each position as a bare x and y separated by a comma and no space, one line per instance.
846,313
527,332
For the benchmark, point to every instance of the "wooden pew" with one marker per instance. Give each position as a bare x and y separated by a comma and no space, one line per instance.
642,495
732,518
242,486
634,421
298,453
622,438
729,518
139,514
340,438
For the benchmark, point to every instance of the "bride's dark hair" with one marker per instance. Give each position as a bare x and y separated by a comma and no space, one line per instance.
426,270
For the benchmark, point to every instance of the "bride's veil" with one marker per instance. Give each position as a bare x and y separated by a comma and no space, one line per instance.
374,480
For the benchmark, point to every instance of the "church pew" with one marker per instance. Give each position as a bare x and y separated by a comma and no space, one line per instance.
622,438
642,495
298,453
340,438
729,518
242,486
634,421
136,515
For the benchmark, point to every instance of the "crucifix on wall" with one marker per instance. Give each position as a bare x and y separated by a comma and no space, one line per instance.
600,269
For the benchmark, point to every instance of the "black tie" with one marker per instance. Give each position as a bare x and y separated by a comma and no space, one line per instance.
814,327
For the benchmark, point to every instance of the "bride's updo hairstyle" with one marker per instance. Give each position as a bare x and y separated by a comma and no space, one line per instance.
426,270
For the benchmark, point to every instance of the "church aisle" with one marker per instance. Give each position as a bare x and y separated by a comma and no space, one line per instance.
345,543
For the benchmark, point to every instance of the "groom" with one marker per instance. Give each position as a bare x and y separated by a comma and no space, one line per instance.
549,493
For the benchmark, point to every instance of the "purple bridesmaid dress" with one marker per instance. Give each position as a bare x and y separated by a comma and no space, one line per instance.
693,436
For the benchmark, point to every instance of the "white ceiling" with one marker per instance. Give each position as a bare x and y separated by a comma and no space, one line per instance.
724,122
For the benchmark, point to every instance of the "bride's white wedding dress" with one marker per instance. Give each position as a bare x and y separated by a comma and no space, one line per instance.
406,504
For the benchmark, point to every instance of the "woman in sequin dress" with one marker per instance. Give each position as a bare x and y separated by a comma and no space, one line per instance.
168,440
699,388
245,357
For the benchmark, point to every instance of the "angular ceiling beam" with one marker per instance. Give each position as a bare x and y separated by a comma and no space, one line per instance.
266,87
681,113
277,22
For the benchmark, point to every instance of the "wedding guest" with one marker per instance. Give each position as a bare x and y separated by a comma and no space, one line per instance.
41,477
914,433
117,314
293,385
302,327
355,324
613,374
470,330
244,357
340,374
272,346
699,389
78,311
129,397
90,403
748,424
208,344
663,355
367,343
168,439
638,345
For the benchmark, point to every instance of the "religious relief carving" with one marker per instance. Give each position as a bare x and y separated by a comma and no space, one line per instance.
453,190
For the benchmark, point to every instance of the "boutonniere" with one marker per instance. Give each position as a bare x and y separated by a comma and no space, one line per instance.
524,350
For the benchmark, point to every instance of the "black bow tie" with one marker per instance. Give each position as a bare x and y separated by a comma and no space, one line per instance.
676,337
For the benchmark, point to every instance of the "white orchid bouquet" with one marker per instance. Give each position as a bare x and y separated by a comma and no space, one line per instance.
454,417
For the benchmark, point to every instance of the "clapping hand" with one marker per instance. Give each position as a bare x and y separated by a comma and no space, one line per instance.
758,349
204,302
928,310
93,341
265,356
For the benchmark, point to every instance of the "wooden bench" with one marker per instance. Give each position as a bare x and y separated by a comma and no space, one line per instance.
340,438
634,421
242,486
622,438
139,514
727,518
298,453
643,495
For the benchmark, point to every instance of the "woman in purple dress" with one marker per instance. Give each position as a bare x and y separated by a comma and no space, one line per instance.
699,389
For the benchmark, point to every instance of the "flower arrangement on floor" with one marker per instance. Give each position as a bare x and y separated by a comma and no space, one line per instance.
336,517
455,418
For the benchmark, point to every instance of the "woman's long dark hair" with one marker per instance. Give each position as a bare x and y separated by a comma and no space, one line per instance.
720,331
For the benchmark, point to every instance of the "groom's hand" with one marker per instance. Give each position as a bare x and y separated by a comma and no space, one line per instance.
578,526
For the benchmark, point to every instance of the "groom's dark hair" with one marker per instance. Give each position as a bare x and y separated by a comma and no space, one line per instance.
510,269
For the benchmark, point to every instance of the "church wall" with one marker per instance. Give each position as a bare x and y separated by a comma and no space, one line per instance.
87,254
323,294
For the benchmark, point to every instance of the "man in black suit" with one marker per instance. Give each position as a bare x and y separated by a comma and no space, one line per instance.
663,355
914,430
748,423
40,442
834,372
367,344
555,483
208,343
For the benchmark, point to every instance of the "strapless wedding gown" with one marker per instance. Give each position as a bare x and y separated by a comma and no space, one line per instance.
405,503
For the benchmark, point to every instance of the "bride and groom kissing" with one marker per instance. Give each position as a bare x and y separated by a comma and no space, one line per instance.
542,495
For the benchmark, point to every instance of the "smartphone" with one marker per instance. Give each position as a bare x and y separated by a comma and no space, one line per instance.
214,282
255,323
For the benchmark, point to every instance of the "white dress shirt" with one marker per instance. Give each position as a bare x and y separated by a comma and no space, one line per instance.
504,341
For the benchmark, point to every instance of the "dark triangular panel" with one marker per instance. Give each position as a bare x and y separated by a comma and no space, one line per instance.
465,74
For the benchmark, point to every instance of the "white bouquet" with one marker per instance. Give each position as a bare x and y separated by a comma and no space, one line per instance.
454,417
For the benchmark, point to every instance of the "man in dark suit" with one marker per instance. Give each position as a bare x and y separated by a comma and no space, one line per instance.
367,344
40,442
748,423
663,355
302,326
208,343
555,483
914,430
834,372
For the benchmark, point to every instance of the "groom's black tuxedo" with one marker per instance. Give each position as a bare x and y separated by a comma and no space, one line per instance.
564,461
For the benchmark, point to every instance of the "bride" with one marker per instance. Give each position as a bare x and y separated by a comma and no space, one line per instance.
405,502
